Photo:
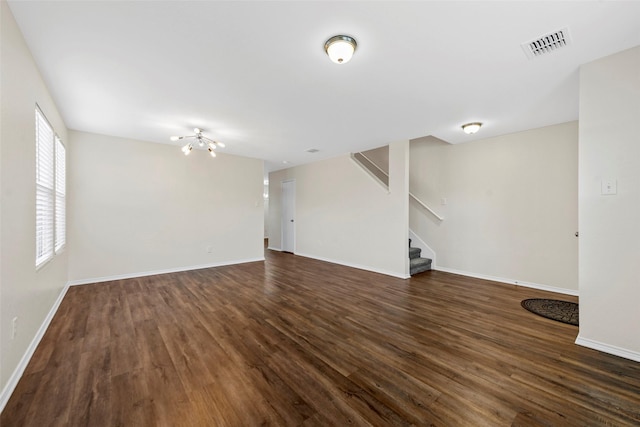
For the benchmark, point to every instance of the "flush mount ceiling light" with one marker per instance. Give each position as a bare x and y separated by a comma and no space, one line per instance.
201,140
340,48
471,128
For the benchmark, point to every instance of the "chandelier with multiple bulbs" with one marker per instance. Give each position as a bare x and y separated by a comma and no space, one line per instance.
201,140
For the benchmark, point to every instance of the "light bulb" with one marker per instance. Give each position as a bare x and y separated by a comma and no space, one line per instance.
211,145
220,144
187,149
175,138
213,153
197,130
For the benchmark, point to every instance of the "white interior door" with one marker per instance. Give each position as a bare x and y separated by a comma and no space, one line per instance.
288,216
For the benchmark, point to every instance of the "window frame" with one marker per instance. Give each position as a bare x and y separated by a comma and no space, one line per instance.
60,197
50,202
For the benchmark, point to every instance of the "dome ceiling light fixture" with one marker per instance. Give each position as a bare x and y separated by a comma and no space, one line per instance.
340,48
471,128
201,140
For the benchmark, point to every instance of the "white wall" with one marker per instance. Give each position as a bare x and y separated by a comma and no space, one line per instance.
609,230
344,216
137,207
25,293
511,205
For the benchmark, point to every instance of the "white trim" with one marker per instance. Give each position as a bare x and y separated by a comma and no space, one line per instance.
510,281
386,186
427,252
608,348
282,212
274,249
366,170
358,266
424,205
155,272
28,354
373,163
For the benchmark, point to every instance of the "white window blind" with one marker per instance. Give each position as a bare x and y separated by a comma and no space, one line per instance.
60,202
44,189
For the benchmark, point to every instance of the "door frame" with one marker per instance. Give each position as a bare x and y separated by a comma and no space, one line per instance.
283,220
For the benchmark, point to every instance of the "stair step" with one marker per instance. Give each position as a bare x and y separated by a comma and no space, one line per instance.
414,253
418,265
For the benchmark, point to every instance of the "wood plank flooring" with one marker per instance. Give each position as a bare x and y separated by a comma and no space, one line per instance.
299,342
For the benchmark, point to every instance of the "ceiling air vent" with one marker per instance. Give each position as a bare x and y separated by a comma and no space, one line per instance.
547,43
312,150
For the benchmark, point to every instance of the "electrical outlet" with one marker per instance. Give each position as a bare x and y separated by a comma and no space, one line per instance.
209,249
14,327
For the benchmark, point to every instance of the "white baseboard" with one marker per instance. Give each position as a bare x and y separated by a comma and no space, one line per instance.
155,272
358,266
608,348
510,281
28,354
274,249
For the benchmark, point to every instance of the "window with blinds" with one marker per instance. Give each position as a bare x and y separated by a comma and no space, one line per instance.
50,191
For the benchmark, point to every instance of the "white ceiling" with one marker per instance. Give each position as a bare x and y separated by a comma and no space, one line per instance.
254,74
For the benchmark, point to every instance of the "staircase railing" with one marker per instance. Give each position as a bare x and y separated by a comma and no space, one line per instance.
424,205
380,176
379,172
383,178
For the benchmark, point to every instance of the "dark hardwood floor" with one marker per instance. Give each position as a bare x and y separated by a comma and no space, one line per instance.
295,341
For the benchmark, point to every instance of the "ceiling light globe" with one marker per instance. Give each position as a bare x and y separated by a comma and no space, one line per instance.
340,48
471,128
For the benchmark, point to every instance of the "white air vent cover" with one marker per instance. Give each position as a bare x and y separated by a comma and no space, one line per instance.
547,43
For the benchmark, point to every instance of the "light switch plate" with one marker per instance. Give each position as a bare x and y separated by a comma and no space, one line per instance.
609,187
